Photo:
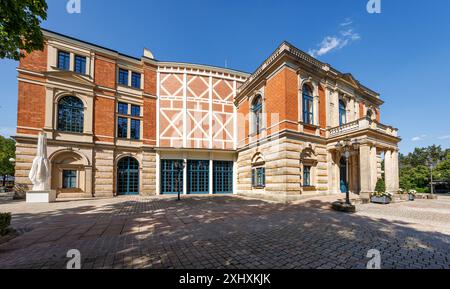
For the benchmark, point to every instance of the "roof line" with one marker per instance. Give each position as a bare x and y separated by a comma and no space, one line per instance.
139,59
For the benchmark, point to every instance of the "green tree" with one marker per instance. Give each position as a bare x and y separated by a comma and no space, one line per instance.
19,27
380,186
7,151
415,171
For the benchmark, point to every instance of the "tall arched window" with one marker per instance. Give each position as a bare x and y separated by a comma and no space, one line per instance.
70,114
342,113
308,105
257,114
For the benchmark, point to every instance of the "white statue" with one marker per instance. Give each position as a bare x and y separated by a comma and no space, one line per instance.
40,170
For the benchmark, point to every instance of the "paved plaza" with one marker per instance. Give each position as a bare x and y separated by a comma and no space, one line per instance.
226,232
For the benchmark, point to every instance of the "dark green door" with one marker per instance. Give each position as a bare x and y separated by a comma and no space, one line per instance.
171,177
223,177
198,177
128,176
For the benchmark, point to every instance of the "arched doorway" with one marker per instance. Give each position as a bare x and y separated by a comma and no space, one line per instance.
128,176
343,176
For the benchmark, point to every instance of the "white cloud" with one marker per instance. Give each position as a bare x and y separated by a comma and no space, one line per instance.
335,42
444,137
7,131
419,138
328,44
347,22
350,34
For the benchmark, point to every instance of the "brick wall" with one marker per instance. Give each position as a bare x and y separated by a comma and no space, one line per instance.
31,107
281,96
104,119
105,72
149,122
35,61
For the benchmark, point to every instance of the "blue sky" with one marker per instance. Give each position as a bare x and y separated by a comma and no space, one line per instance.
402,53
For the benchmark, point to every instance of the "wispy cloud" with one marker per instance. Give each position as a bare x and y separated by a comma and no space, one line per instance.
7,131
342,39
347,22
444,137
419,138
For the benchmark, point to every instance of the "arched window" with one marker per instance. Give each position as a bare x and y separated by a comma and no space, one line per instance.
308,105
258,172
128,176
70,114
342,113
257,114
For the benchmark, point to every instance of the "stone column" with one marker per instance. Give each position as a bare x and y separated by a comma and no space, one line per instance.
388,171
335,112
395,171
373,167
366,171
211,174
333,175
88,181
351,110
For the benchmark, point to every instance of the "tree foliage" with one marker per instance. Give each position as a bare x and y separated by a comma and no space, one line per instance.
380,186
7,151
19,27
415,171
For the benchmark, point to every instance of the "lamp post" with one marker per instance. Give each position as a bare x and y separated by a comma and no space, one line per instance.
179,168
346,147
432,166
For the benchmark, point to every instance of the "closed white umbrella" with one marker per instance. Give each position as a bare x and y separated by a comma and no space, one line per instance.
40,170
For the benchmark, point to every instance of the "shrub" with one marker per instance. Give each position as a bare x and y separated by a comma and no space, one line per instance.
380,187
5,221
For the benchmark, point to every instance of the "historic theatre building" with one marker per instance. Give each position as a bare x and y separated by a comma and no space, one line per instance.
120,125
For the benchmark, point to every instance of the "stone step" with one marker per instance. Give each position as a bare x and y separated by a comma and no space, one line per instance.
6,196
65,196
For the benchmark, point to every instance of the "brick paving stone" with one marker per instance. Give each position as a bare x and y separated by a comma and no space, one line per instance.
226,232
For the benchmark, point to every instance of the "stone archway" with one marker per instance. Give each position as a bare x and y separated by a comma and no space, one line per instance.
71,175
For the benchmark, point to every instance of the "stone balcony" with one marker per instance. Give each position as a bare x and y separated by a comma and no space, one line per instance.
361,125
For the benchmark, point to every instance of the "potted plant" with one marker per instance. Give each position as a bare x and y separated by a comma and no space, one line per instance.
403,194
412,195
381,198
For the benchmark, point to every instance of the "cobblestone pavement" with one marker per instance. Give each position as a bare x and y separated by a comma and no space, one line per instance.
226,232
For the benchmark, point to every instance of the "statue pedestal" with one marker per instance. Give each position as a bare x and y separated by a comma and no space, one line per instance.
41,197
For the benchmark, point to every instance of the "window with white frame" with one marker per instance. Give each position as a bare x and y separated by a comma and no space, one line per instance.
129,78
257,114
65,60
128,121
308,104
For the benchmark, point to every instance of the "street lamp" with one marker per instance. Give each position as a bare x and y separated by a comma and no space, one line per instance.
432,165
179,168
346,147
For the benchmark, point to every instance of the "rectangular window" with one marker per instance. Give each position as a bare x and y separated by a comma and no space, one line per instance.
136,80
122,127
80,64
122,108
306,176
135,110
123,77
63,60
135,132
69,179
259,178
